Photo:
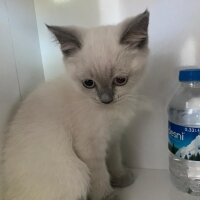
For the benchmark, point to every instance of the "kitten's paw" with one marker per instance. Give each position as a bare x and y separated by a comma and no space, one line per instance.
123,180
112,196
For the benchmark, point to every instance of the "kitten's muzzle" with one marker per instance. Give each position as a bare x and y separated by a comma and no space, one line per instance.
106,95
106,98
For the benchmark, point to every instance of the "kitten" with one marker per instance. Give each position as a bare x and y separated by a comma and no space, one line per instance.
63,143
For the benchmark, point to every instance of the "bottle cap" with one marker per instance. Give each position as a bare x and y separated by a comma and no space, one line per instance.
188,75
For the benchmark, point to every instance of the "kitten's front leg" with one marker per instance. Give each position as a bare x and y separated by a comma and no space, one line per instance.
120,176
100,181
94,155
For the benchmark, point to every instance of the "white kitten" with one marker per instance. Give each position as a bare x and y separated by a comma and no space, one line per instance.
63,134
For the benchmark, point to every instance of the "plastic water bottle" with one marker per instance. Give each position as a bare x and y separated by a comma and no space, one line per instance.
184,133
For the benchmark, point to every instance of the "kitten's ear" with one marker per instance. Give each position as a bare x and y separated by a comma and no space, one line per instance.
135,31
69,38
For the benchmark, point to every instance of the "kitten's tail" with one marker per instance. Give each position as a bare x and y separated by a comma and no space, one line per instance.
57,180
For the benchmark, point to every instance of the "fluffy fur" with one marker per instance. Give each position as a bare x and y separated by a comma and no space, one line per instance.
63,143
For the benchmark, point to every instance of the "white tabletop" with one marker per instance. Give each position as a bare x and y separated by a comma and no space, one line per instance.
154,185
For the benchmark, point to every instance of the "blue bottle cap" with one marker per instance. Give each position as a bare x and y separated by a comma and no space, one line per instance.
187,75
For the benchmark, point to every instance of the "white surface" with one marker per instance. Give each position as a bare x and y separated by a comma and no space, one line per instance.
154,185
25,43
174,41
9,90
21,66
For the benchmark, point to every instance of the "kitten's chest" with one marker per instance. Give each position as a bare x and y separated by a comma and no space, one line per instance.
93,123
96,125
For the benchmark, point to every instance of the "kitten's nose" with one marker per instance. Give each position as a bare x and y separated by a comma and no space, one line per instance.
106,98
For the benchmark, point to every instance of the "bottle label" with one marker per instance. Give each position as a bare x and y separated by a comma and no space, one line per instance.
184,142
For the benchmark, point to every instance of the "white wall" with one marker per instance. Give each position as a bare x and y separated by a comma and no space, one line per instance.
174,41
26,47
21,65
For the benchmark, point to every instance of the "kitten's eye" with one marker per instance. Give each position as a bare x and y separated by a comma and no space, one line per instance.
88,83
120,80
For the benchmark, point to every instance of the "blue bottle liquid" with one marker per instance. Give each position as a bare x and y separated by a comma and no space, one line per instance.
184,133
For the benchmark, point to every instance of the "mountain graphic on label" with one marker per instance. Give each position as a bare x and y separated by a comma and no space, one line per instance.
190,152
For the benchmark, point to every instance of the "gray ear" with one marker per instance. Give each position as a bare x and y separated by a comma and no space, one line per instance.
68,38
135,31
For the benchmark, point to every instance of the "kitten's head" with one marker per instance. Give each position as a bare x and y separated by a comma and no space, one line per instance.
106,62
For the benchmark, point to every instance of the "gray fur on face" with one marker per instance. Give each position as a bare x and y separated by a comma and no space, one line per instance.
106,94
104,87
102,53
